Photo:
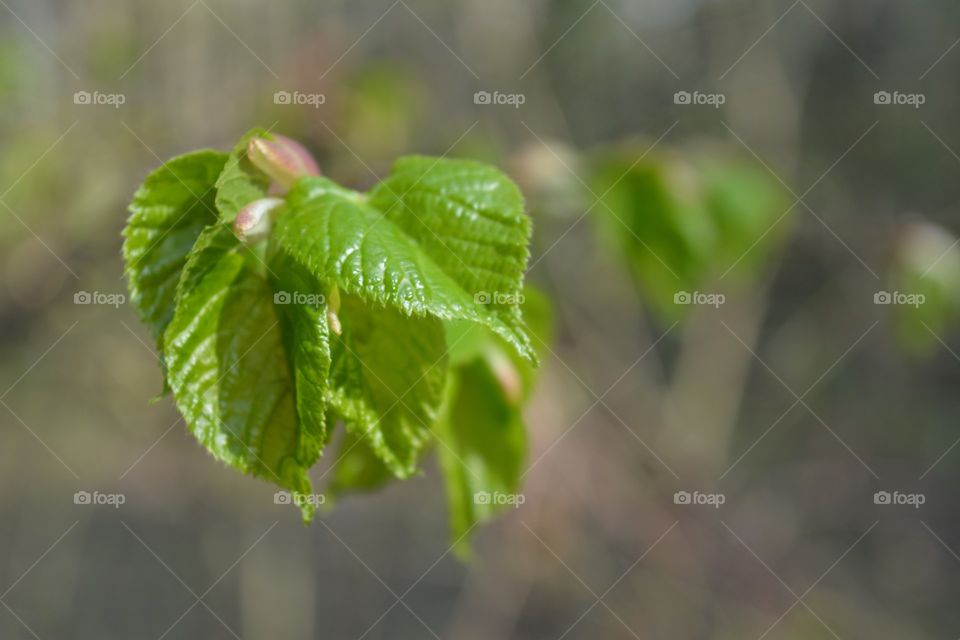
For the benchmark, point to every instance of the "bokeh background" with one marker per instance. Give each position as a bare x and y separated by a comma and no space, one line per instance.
796,400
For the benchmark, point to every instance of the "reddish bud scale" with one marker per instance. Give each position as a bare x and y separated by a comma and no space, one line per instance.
282,159
253,222
507,376
333,308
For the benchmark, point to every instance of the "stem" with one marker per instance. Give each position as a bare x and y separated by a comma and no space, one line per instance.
701,405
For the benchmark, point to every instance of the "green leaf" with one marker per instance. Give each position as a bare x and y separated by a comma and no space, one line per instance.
168,212
358,468
746,204
435,253
240,183
337,235
386,380
214,242
306,338
482,449
683,222
481,429
652,211
467,341
468,217
230,373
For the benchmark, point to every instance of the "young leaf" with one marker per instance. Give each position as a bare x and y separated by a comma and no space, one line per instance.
481,430
228,368
306,338
681,222
168,212
469,218
322,304
240,183
386,380
746,206
336,235
358,468
653,212
482,448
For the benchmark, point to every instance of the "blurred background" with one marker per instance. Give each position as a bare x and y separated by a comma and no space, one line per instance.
744,217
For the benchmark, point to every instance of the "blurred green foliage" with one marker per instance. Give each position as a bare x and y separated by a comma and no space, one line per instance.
680,218
924,287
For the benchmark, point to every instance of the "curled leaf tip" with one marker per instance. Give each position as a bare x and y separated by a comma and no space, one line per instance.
282,159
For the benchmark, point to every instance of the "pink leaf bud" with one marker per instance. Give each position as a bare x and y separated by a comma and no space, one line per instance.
507,376
253,221
333,308
281,158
